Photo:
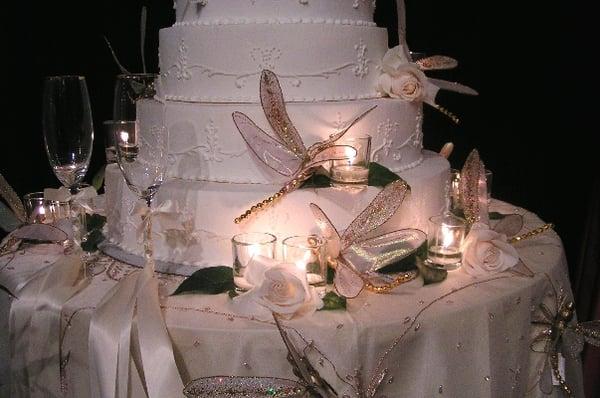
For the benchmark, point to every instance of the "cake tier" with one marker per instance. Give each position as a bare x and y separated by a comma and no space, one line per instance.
206,211
215,12
223,63
206,145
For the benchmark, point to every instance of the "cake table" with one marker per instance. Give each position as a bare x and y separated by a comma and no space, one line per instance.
462,337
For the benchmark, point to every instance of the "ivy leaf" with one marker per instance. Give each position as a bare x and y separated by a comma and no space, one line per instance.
98,179
94,222
330,275
407,263
93,239
380,176
431,273
331,301
213,280
317,181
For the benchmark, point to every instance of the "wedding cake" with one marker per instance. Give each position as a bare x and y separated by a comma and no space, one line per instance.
333,64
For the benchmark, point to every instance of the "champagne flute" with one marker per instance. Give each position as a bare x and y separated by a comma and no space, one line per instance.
142,152
129,90
68,134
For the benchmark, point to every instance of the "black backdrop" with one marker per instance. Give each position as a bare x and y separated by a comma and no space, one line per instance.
532,123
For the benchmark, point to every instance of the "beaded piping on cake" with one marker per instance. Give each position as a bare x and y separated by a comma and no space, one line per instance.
265,58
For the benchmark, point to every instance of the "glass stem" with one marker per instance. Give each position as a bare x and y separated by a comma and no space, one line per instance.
148,246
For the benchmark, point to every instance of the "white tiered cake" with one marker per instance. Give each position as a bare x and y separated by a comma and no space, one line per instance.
327,55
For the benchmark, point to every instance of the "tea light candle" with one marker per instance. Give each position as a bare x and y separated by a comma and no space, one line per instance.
354,170
308,253
245,246
446,235
39,210
125,133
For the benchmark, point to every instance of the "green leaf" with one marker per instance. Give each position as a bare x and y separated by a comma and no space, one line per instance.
330,275
332,301
407,263
98,178
317,181
497,216
431,273
93,239
380,176
213,280
94,222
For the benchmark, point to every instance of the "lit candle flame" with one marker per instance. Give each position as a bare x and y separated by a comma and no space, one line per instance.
447,237
124,135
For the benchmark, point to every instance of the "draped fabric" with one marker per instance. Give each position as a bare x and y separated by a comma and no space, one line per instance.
587,287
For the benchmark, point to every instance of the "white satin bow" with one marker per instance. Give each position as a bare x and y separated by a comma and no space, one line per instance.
165,215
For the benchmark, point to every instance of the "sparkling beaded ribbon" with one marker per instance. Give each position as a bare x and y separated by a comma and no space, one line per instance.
351,252
286,153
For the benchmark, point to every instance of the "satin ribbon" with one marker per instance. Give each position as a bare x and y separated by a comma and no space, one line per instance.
35,327
164,214
110,340
81,198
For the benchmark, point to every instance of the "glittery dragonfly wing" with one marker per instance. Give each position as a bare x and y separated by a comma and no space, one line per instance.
319,146
473,190
436,62
452,86
385,204
385,251
572,342
41,233
334,152
12,199
328,231
303,369
510,225
269,150
273,105
347,281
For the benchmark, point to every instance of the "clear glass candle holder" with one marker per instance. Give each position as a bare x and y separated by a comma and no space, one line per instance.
43,211
245,247
309,254
445,239
353,171
111,129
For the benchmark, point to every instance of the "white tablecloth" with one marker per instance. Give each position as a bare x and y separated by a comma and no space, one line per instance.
464,337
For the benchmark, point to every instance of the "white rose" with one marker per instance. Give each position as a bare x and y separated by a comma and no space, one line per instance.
487,252
283,289
394,59
408,83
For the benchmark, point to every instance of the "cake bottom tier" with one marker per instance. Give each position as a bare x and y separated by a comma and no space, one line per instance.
194,220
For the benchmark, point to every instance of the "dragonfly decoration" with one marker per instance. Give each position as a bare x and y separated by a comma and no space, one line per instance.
561,334
357,255
286,153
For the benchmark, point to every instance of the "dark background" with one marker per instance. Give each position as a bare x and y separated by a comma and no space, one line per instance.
532,123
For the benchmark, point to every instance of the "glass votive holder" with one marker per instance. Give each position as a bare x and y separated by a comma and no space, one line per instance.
455,203
110,129
309,254
38,209
245,246
125,139
354,170
445,239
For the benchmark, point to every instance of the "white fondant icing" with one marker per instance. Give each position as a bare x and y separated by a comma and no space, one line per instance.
223,63
209,209
223,11
205,144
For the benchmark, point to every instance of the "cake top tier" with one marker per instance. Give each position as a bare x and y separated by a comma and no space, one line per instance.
218,12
